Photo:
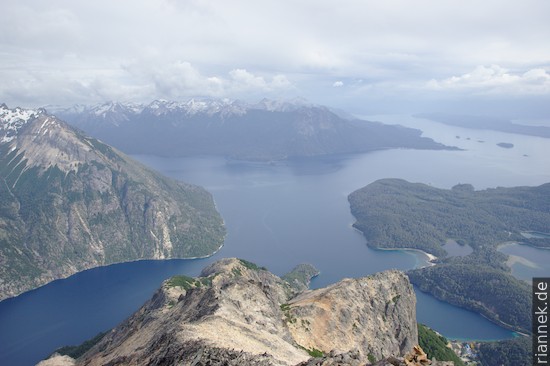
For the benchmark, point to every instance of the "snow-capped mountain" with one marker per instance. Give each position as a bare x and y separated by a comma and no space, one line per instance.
11,120
69,202
119,111
267,130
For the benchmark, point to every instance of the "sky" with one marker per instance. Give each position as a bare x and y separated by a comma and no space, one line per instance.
362,56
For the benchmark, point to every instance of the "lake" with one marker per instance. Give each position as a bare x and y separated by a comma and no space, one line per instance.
527,262
279,215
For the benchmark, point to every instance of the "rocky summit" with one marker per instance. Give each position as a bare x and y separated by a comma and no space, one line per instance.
69,202
236,313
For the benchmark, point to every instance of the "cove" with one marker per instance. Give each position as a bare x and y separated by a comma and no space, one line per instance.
527,262
277,215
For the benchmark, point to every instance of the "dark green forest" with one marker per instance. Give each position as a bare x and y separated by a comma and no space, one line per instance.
435,345
394,213
513,352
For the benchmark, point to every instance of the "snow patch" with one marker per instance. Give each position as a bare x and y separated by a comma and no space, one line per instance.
11,121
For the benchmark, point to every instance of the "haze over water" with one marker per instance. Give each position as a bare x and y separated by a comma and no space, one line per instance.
279,215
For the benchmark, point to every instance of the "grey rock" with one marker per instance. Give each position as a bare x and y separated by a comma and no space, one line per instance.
238,313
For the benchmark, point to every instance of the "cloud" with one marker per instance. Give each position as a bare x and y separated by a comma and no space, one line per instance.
78,51
496,80
134,82
181,79
338,84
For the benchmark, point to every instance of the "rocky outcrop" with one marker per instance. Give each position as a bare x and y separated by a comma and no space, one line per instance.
69,202
372,315
417,357
240,314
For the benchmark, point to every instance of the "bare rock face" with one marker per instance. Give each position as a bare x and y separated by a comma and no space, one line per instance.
375,315
241,314
416,357
233,306
69,202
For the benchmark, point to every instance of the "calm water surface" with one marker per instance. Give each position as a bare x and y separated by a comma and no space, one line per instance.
527,262
279,215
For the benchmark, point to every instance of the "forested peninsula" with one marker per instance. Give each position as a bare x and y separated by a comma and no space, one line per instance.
394,213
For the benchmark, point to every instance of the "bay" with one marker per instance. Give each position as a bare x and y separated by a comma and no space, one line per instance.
278,215
527,262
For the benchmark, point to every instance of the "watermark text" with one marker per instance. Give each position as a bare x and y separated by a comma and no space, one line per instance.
541,288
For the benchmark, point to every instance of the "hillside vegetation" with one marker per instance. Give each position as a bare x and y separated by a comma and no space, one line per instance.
69,202
393,213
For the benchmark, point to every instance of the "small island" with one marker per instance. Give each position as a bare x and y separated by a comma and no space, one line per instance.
505,145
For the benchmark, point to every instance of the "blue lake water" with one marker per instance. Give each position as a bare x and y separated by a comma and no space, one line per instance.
527,262
279,215
454,249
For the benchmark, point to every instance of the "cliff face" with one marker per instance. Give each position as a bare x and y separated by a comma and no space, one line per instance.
69,202
237,313
371,314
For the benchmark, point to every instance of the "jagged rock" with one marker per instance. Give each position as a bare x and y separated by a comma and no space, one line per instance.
375,314
237,313
416,357
57,360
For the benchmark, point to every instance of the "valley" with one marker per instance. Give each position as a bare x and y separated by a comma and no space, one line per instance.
255,199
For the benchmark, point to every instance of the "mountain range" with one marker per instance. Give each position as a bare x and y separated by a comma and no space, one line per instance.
267,130
69,202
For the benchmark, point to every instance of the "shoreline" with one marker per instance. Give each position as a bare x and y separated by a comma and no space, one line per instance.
117,263
431,258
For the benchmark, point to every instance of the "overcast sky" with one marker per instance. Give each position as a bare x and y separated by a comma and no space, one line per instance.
364,56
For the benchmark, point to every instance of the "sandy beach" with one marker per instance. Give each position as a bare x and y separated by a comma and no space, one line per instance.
431,258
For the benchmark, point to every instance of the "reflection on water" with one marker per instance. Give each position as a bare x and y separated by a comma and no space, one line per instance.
454,249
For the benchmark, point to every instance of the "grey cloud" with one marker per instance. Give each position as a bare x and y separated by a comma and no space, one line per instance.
145,49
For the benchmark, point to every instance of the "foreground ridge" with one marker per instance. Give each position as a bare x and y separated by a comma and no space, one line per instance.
238,313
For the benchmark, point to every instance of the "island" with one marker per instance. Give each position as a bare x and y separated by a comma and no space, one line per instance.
506,145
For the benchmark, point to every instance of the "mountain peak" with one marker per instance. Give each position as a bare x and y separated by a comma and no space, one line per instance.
71,202
283,105
11,120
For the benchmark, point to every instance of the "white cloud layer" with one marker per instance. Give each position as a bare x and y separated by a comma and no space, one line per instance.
497,80
65,51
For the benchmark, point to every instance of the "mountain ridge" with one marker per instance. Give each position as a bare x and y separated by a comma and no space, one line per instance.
68,202
265,131
239,313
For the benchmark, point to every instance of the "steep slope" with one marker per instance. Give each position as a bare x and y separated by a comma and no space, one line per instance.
269,130
240,314
69,202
